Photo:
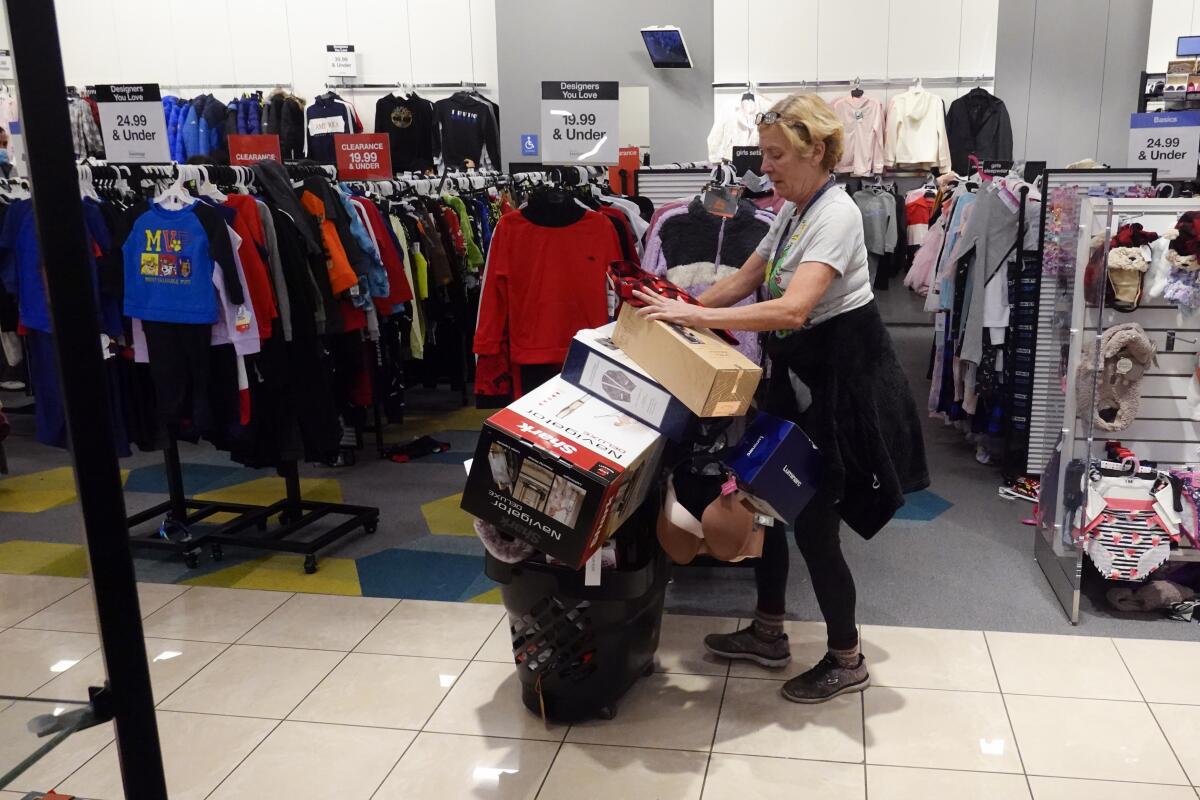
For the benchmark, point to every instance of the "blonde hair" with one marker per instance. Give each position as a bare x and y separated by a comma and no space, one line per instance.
806,119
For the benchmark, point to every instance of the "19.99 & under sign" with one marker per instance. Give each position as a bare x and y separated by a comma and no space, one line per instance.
580,122
132,123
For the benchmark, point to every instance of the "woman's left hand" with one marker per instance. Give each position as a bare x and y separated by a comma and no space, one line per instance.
670,310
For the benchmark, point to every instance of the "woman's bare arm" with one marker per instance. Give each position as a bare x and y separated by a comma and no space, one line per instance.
809,283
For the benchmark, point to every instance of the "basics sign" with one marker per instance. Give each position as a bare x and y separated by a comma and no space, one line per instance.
248,149
580,122
363,156
1166,140
133,123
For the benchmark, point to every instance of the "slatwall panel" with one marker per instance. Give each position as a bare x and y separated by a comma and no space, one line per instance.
666,185
1047,404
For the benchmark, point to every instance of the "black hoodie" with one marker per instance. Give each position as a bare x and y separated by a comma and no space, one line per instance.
467,124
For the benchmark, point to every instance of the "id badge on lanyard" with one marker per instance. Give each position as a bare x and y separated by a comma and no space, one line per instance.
773,264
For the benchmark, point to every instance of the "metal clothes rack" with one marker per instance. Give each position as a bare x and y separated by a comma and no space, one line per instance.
402,85
179,513
866,83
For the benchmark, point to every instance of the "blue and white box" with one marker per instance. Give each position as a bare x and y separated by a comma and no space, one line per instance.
596,365
778,466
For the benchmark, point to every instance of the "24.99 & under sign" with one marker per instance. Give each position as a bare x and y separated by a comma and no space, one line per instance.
132,123
580,122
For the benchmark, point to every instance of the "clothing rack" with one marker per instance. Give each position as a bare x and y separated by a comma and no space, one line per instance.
242,85
867,83
402,85
179,512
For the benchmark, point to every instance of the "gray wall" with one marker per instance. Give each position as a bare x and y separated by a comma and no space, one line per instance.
552,40
1068,72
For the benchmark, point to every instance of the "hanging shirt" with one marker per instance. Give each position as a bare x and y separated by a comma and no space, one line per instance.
408,122
862,120
542,285
328,116
916,131
466,125
168,268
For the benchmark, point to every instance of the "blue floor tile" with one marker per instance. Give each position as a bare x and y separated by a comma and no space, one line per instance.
418,575
923,506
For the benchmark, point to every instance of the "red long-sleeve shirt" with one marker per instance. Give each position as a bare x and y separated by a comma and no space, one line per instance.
543,285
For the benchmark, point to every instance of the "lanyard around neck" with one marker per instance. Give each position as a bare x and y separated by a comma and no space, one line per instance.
772,265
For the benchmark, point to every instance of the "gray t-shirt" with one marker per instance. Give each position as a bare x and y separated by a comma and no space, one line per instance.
832,233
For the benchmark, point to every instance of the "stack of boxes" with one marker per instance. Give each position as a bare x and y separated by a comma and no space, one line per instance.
563,466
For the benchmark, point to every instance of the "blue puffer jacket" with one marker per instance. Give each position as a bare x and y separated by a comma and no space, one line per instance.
190,135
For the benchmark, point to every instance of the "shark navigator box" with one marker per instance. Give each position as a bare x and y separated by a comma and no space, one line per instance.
561,469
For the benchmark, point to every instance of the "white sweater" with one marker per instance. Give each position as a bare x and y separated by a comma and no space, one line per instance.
916,131
735,128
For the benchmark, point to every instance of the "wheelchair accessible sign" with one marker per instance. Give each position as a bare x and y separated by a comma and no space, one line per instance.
529,144
1169,141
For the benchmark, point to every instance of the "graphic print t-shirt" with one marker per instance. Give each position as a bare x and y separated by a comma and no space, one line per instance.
168,268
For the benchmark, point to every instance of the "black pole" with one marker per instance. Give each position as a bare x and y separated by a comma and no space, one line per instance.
58,211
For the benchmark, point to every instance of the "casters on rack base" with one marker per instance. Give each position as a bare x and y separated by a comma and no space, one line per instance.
310,564
192,559
607,713
217,553
371,525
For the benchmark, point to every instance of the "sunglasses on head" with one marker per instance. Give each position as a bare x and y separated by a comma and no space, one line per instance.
767,117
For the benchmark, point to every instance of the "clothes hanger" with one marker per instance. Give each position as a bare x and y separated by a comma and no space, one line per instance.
86,188
175,196
856,89
206,188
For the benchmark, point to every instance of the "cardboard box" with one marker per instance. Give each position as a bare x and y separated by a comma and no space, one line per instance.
561,470
707,375
778,466
596,364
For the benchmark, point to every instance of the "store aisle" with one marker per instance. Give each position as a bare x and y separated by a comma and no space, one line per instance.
272,694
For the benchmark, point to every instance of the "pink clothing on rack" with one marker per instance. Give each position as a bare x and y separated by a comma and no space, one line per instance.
862,120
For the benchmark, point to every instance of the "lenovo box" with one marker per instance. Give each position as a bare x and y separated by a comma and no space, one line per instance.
561,470
596,364
778,466
705,374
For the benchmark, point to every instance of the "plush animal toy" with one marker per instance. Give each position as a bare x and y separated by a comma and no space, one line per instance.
1114,379
1128,260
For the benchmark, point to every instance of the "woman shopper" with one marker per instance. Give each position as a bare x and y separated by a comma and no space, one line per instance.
833,372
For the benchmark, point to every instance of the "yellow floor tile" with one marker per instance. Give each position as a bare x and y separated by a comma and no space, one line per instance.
23,557
285,573
445,518
265,491
40,491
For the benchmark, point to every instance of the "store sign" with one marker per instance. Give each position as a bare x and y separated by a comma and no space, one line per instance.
1166,140
343,61
133,123
6,65
629,159
747,159
248,149
580,122
363,156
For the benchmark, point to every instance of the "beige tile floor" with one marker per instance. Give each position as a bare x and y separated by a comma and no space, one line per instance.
265,694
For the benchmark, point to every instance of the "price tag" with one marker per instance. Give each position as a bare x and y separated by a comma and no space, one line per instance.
248,149
591,569
343,61
1166,140
363,156
133,124
580,122
6,65
242,321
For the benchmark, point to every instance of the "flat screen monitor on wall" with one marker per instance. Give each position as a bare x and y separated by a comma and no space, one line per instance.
666,47
1188,46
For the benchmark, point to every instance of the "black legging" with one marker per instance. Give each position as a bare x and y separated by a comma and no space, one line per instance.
817,537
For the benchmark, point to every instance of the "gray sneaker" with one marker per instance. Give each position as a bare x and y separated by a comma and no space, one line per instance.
827,680
747,645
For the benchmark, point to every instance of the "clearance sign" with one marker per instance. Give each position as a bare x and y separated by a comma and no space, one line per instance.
363,156
248,149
